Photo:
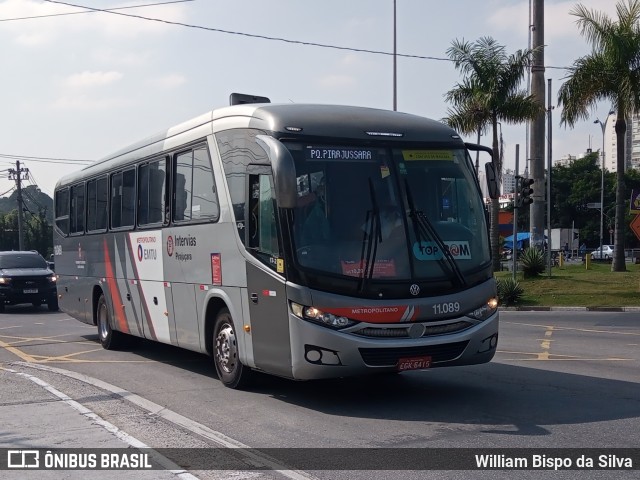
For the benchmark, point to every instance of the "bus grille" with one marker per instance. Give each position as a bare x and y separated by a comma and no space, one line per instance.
388,357
403,331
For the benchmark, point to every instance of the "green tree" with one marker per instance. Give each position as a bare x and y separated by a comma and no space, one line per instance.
611,72
489,93
575,185
9,231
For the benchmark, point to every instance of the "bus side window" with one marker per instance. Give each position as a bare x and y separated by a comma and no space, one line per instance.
128,197
92,186
195,195
156,195
263,236
77,209
205,198
62,210
102,203
152,193
116,200
181,198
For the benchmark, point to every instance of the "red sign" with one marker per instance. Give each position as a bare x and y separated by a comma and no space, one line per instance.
635,225
216,269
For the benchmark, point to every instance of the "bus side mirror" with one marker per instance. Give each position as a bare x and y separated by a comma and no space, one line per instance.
492,180
284,171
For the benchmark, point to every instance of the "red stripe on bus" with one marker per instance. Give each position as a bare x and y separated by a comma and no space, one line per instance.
121,317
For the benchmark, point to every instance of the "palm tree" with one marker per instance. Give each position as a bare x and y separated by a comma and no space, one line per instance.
611,72
490,93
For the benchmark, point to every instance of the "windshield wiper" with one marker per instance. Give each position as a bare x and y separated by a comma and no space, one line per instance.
423,226
370,240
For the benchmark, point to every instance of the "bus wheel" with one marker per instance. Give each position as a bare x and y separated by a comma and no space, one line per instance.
109,338
231,372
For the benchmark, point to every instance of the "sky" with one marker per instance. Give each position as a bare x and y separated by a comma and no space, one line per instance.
78,87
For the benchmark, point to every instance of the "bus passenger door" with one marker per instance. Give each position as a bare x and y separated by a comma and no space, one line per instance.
265,279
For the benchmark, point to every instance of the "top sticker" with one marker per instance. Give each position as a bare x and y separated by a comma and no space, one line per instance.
410,155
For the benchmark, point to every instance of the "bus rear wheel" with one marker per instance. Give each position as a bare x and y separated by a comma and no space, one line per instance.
109,338
231,372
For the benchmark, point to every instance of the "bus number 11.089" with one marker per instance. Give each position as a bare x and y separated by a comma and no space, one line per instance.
443,308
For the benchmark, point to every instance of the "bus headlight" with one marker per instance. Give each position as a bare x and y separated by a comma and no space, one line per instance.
485,311
318,316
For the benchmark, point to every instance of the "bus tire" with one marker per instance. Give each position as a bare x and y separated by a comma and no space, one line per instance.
109,338
231,372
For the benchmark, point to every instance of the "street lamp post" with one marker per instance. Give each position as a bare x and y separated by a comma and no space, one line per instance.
395,60
603,126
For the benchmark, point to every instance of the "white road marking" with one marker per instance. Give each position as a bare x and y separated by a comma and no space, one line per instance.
111,428
253,457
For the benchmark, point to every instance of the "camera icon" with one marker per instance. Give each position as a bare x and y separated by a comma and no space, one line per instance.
23,459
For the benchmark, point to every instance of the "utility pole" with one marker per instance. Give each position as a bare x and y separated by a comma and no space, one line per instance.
536,147
17,175
395,60
549,167
516,205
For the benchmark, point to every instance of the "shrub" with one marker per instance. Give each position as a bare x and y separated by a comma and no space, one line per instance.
509,291
533,262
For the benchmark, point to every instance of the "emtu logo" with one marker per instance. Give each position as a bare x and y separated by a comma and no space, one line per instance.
170,245
140,253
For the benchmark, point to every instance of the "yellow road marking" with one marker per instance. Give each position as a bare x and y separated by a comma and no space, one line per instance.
53,338
67,358
19,353
588,330
557,356
546,344
11,347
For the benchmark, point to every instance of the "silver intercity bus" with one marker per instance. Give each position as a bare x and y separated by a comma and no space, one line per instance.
305,241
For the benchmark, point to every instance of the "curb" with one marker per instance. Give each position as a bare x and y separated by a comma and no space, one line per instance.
569,309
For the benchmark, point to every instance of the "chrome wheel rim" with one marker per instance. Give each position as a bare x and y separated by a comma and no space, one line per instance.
226,349
103,327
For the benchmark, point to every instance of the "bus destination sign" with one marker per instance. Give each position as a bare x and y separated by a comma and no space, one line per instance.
340,153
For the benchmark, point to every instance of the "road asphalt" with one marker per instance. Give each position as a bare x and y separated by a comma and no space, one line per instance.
35,415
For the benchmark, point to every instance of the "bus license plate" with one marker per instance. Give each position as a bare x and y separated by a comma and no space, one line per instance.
413,363
30,290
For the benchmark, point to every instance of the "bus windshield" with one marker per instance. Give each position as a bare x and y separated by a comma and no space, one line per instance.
387,213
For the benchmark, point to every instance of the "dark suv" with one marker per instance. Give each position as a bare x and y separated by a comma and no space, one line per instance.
25,277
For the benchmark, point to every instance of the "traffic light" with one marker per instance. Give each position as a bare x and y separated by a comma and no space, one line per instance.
524,191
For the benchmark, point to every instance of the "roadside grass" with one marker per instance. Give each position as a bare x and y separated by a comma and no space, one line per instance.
573,286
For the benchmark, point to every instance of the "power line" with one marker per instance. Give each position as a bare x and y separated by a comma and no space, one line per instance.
26,192
8,191
68,161
33,181
85,11
250,35
265,37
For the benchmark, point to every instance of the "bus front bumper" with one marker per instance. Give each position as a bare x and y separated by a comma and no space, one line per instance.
321,352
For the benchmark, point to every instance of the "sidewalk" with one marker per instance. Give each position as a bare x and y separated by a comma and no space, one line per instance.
531,308
33,414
